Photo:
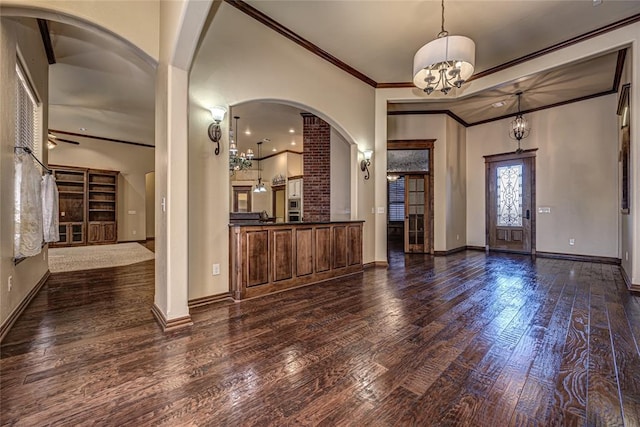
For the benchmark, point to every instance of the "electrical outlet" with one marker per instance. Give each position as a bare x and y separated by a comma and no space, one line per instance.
134,232
457,237
215,269
572,242
626,256
10,283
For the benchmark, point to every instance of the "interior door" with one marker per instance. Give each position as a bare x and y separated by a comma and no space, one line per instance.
511,203
242,198
416,202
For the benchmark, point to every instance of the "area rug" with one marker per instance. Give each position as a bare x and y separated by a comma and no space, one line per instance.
97,256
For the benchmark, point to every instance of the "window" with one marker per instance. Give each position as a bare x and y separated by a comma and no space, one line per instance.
27,115
396,200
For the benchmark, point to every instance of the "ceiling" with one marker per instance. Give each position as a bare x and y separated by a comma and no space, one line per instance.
267,120
100,85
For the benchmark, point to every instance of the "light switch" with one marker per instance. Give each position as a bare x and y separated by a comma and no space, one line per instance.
131,212
544,210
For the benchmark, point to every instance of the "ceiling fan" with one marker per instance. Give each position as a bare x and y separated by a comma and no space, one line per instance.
52,141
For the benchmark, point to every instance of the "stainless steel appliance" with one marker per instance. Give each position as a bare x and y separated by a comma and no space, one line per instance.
294,204
295,216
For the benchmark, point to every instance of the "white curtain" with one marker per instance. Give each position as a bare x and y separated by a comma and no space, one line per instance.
50,220
28,207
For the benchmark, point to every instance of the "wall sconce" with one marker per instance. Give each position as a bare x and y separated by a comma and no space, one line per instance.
366,162
215,134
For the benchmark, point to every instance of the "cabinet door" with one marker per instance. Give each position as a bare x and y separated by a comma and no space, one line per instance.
109,231
95,232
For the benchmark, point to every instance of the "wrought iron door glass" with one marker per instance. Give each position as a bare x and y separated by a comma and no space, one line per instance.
509,198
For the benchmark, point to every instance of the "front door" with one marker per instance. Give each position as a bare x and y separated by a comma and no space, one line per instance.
511,202
416,223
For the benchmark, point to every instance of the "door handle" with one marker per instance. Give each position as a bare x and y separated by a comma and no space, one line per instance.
528,215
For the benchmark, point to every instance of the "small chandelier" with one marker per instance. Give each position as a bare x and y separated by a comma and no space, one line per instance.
443,63
519,126
260,188
238,162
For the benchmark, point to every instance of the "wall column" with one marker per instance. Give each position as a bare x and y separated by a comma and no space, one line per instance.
171,296
316,158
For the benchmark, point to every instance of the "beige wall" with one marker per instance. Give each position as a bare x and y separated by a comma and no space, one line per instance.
133,162
456,185
25,36
236,46
577,176
340,178
149,203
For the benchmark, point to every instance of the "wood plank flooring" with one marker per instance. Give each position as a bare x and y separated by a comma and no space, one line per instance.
465,340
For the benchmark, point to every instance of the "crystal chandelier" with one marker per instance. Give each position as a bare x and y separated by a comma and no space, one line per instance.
519,126
444,62
238,162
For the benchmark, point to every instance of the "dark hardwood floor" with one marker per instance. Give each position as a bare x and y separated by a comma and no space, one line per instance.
464,340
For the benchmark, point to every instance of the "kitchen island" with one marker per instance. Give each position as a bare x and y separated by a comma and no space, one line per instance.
268,258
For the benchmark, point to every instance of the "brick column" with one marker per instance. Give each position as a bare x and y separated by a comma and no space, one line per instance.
316,191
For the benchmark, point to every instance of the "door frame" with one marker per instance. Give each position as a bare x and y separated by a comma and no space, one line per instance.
492,158
240,189
418,144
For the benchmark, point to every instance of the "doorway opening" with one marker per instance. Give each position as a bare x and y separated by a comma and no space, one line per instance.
410,196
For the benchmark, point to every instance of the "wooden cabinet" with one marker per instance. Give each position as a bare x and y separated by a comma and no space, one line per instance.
270,258
295,188
87,205
71,233
102,232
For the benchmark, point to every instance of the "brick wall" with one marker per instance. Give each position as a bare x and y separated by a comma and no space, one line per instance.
316,192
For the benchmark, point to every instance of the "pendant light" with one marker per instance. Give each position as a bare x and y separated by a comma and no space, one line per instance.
519,128
443,63
260,188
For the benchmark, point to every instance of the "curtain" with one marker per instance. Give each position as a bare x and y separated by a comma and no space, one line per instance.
50,221
28,207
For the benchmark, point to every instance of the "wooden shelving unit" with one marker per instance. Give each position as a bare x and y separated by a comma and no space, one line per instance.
88,205
72,204
102,206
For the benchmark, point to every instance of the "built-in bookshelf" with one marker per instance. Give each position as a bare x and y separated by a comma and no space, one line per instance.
87,205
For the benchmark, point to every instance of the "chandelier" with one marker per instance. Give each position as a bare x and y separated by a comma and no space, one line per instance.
519,126
238,162
444,62
260,188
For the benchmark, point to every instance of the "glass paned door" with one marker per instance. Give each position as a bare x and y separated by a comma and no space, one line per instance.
416,227
510,202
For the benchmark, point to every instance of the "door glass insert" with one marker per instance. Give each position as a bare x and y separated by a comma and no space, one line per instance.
509,194
416,211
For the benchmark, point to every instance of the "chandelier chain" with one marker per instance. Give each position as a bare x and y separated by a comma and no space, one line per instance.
442,26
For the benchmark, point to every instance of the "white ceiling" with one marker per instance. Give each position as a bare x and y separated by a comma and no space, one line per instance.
99,84
267,120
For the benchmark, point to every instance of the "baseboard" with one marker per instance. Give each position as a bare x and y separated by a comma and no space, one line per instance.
585,258
450,251
375,264
170,325
632,288
198,302
6,326
131,241
475,248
